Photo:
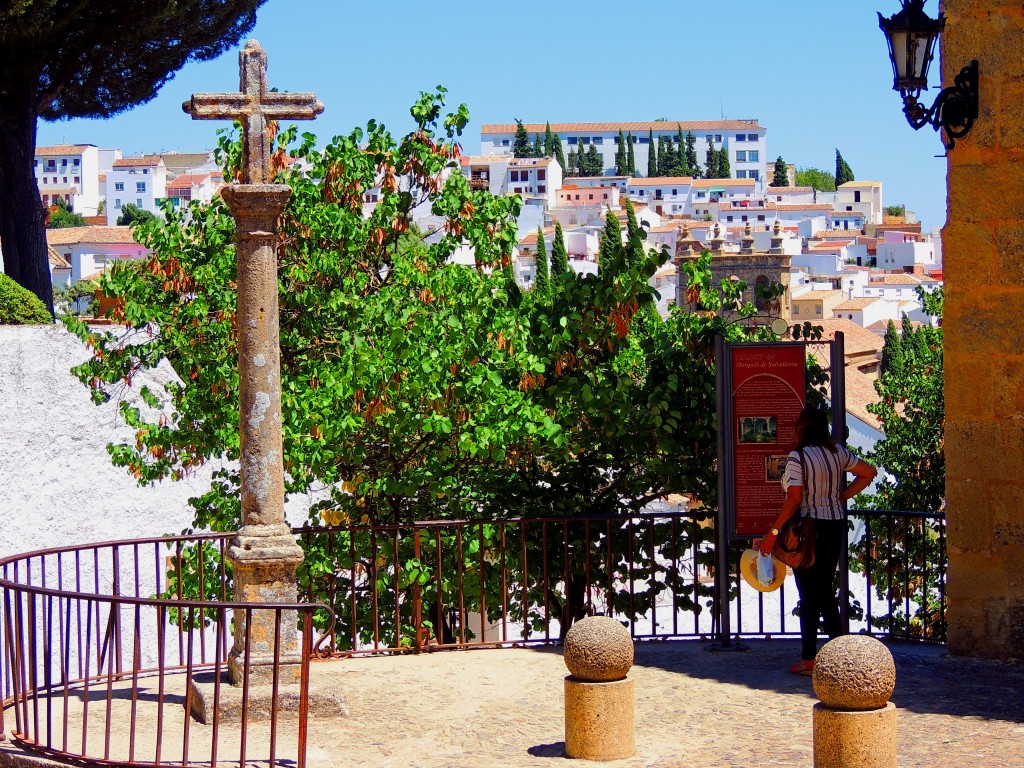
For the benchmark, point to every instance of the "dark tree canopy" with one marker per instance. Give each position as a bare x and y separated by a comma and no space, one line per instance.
65,60
781,176
844,173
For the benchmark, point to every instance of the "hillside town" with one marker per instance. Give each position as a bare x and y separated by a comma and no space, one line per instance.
847,262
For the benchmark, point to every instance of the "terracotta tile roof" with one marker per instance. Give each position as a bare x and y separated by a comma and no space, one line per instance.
724,183
188,180
855,184
836,234
853,305
465,160
902,279
62,149
56,260
146,161
661,181
102,178
634,127
790,190
817,295
857,340
99,220
530,162
92,235
665,228
531,239
860,393
804,207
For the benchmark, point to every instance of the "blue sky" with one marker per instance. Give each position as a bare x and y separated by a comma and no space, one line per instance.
815,73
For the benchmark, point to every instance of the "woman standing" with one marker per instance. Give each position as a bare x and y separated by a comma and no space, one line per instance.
813,483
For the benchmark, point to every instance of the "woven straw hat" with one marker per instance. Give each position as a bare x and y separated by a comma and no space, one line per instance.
748,567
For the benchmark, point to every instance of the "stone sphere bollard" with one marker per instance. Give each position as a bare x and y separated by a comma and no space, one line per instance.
854,721
598,696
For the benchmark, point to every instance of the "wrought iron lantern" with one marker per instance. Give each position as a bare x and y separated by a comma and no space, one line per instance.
912,36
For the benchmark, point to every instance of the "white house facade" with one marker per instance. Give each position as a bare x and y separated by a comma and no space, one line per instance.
141,181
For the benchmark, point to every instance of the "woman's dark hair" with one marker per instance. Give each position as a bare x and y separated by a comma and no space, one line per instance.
812,429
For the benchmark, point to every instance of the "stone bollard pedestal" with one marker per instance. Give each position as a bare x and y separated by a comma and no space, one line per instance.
854,721
599,709
599,719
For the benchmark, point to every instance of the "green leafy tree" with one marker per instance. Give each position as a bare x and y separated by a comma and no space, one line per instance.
724,170
621,157
570,169
19,306
630,156
652,156
541,285
896,210
66,60
691,155
911,409
711,162
132,215
62,217
843,170
549,141
559,256
664,158
538,147
521,146
781,176
821,181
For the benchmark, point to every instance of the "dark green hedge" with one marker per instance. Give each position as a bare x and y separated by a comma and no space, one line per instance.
20,307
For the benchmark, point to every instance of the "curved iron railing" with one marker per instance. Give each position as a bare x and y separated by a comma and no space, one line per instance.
106,650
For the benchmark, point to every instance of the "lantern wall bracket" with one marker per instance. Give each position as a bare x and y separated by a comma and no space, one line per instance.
954,111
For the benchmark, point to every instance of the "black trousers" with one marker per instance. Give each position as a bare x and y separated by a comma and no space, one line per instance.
815,585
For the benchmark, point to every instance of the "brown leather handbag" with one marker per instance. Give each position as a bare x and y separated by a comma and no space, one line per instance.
795,543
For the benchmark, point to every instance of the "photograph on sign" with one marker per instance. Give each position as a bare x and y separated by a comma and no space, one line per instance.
758,429
775,467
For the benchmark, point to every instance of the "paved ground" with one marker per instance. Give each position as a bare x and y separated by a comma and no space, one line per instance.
492,708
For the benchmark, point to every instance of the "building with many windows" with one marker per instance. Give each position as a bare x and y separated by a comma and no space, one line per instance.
71,173
744,140
141,181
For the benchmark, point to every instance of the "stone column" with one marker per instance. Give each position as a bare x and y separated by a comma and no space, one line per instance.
264,554
983,243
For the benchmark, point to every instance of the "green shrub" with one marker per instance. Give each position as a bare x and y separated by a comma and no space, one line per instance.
20,307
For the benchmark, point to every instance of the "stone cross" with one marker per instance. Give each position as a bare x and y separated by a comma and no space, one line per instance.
264,553
253,107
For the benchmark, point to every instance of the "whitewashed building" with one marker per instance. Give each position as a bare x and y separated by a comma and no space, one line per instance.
90,250
71,172
141,181
744,140
863,197
907,252
667,195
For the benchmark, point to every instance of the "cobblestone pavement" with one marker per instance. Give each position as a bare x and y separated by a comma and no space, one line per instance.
694,707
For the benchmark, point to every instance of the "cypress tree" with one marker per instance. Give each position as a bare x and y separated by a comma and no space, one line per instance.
621,161
541,284
908,340
594,162
652,155
724,170
682,164
892,352
781,178
665,153
521,145
630,158
549,141
538,148
843,171
634,233
611,239
558,152
559,256
711,162
570,169
691,155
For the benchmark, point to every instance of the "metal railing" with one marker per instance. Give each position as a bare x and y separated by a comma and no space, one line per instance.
108,648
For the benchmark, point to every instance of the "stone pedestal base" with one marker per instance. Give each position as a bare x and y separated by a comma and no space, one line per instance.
864,739
598,719
325,701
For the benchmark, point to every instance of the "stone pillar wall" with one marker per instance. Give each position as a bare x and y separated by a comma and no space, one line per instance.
984,334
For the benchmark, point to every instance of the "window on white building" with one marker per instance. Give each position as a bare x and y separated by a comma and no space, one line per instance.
541,174
572,140
644,140
542,188
119,186
741,137
754,175
741,174
584,139
753,155
598,140
117,202
76,161
505,142
741,157
140,186
751,137
718,138
63,162
138,202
